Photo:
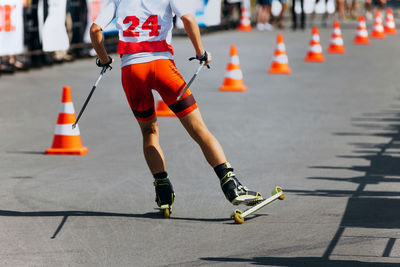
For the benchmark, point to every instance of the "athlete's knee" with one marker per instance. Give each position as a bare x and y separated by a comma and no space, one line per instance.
149,128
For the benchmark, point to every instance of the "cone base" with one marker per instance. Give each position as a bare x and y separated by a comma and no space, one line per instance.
361,41
234,88
314,59
244,28
67,151
390,31
280,71
336,50
378,36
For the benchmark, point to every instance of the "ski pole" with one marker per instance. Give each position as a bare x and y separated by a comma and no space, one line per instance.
90,95
190,82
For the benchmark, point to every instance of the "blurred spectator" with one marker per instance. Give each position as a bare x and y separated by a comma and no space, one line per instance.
277,19
340,9
380,4
9,64
350,9
32,39
78,13
325,13
302,15
5,65
263,15
231,12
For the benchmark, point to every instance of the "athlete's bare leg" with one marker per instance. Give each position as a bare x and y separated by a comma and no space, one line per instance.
210,146
151,146
234,191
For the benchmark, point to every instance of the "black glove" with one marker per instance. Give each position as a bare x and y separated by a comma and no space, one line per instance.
203,58
107,65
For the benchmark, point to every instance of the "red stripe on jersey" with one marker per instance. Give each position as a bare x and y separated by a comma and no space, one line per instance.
144,46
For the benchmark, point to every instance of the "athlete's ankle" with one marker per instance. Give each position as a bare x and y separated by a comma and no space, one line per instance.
160,175
223,169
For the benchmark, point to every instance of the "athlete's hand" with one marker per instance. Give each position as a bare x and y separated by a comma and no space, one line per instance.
107,64
204,59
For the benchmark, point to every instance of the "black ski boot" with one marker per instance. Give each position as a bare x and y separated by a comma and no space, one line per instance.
164,195
236,193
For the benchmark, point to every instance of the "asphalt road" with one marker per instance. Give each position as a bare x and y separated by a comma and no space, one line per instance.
328,134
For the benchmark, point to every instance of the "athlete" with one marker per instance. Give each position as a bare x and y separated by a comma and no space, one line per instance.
147,63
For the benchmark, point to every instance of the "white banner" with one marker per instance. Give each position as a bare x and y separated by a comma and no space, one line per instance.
11,27
55,37
207,13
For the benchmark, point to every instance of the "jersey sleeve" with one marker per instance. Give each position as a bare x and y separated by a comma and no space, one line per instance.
182,7
107,14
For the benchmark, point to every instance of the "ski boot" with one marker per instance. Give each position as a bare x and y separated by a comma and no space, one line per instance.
236,193
164,195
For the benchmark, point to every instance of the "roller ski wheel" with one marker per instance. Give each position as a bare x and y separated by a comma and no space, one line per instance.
277,190
237,216
167,210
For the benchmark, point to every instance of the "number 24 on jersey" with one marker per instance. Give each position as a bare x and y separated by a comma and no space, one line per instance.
151,24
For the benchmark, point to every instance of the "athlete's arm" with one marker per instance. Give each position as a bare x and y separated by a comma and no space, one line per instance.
96,36
105,17
193,32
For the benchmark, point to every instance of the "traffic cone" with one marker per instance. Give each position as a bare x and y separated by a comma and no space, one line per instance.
245,17
314,53
336,46
163,110
361,37
378,31
233,80
280,62
67,141
390,27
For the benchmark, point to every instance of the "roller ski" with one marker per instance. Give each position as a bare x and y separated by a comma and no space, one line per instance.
164,195
239,216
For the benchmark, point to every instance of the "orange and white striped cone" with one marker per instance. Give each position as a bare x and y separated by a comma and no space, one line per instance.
336,46
280,62
390,26
233,80
163,110
361,37
378,32
314,53
245,17
66,141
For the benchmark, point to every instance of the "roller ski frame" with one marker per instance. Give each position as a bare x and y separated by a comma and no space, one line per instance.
239,216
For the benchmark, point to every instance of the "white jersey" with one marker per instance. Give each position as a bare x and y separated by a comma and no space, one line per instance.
144,27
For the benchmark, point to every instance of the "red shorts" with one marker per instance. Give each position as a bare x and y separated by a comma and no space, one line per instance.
161,75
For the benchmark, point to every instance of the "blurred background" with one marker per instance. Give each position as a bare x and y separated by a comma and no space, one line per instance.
37,33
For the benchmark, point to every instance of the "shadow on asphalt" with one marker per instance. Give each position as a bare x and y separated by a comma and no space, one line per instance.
365,208
296,261
66,214
27,152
